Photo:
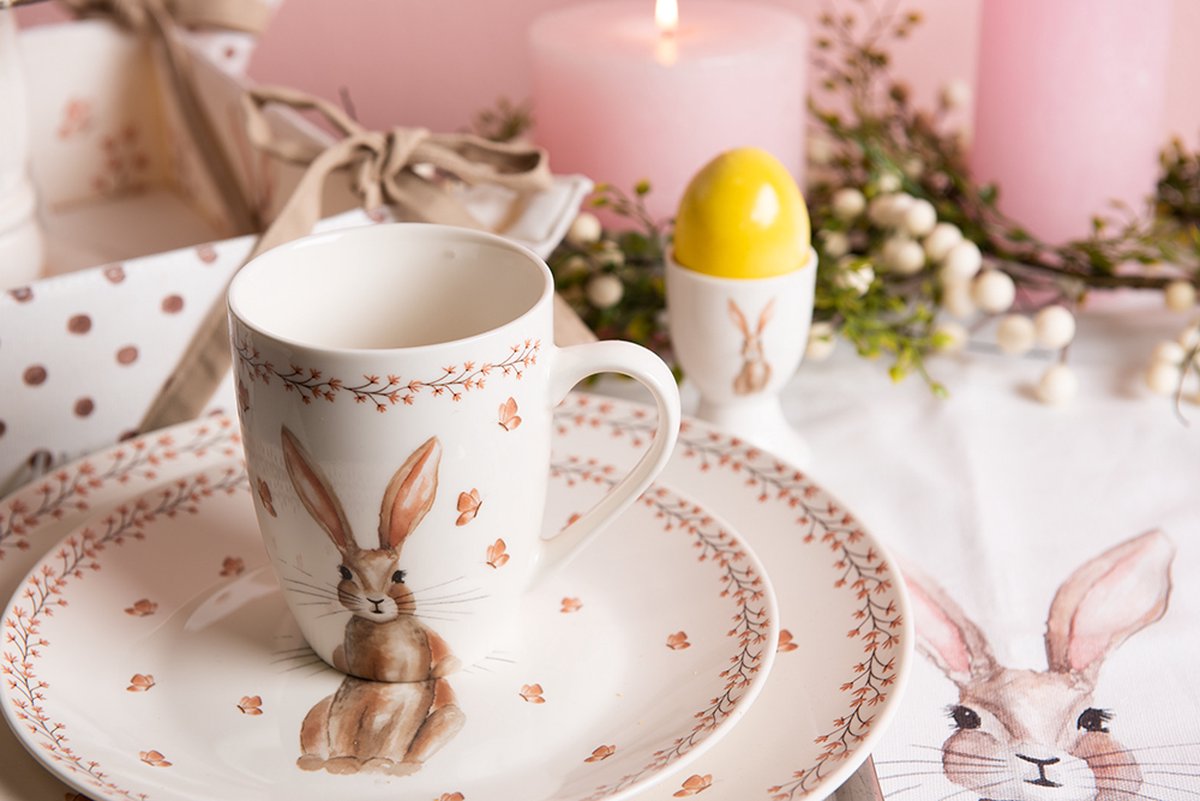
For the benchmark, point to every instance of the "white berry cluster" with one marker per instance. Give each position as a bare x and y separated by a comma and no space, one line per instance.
603,290
915,241
1173,360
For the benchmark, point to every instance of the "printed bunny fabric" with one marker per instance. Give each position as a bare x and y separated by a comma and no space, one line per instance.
1049,555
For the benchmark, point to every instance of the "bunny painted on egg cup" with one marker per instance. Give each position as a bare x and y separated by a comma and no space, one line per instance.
740,340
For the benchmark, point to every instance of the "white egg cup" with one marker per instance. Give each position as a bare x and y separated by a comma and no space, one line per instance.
739,341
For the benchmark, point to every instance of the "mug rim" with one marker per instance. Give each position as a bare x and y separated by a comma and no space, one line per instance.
382,229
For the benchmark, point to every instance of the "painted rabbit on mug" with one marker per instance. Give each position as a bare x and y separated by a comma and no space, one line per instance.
406,711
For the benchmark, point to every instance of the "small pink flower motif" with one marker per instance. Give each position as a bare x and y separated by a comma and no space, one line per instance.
140,682
570,605
250,705
532,693
142,607
154,759
602,753
785,642
694,785
233,566
678,641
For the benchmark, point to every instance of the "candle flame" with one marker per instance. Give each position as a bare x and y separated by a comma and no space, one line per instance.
666,15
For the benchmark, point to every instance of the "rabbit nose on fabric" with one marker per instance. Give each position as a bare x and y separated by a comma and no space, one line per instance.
378,610
1041,764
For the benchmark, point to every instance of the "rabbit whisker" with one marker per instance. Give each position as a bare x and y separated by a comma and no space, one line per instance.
302,665
478,666
326,602
501,659
290,650
334,612
959,753
281,659
442,584
429,617
319,586
301,570
1134,793
972,789
447,595
894,793
450,613
452,602
1140,764
939,773
1143,748
1170,773
1145,783
312,592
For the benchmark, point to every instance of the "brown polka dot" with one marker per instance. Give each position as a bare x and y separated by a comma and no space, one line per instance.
3,428
79,324
207,253
114,273
35,374
40,460
23,294
172,304
127,355
127,435
84,407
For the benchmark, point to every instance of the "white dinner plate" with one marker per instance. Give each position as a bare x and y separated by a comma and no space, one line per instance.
153,656
845,648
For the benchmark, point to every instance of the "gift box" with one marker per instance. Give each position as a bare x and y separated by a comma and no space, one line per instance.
138,244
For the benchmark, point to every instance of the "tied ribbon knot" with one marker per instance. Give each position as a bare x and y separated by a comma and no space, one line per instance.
403,168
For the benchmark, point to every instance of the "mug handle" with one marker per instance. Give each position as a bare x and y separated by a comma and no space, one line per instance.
570,366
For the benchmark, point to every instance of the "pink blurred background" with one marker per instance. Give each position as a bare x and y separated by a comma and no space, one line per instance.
435,63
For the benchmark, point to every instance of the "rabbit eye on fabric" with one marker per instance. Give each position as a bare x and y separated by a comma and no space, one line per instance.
398,576
965,717
1093,719
345,572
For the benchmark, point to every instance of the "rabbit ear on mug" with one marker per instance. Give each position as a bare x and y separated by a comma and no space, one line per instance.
945,634
410,494
738,318
1107,600
314,491
765,315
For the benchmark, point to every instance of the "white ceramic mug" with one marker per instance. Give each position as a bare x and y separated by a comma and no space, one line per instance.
396,386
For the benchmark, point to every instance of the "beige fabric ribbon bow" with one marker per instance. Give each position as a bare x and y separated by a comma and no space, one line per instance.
381,165
382,170
160,19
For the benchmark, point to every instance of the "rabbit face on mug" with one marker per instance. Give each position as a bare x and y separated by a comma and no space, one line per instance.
1029,735
755,372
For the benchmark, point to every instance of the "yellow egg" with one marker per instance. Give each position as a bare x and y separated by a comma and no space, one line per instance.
742,216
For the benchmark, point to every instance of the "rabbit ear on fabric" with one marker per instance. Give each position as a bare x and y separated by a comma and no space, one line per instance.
410,494
1107,600
945,634
314,491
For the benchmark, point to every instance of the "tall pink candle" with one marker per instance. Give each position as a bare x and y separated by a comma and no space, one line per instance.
620,100
1070,110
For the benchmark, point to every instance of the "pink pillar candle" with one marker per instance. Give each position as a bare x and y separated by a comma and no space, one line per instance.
620,100
1070,110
